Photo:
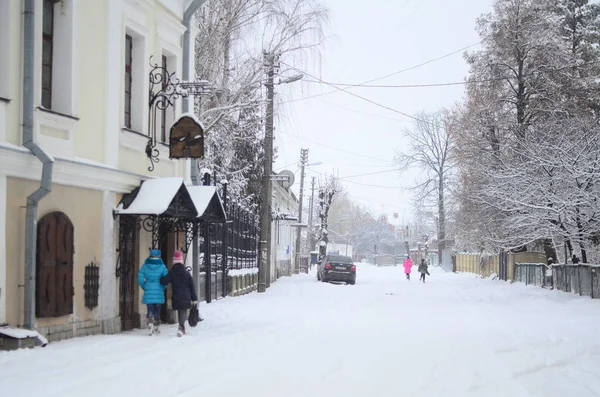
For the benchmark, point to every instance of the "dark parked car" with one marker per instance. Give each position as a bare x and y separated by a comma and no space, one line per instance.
337,268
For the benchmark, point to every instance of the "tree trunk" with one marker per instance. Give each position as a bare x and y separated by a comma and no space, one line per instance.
442,219
580,236
226,66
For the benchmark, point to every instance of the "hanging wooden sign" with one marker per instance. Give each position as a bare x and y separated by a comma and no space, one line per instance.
186,139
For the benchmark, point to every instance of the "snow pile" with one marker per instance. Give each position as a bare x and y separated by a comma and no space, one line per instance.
20,333
454,336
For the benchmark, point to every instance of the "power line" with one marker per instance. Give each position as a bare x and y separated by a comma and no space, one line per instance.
360,97
367,114
369,173
370,200
424,63
357,183
287,165
333,147
386,76
403,85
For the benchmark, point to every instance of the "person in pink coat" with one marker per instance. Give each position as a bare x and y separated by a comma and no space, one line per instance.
407,267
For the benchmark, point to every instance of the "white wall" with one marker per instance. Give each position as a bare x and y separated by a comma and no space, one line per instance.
3,193
283,236
108,282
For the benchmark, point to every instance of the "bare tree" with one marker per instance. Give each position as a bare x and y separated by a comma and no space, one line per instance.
327,192
430,149
230,57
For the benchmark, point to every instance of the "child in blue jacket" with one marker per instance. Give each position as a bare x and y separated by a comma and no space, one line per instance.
154,292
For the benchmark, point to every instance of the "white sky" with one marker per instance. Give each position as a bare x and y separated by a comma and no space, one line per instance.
369,40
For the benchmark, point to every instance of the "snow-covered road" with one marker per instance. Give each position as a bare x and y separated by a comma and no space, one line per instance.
454,336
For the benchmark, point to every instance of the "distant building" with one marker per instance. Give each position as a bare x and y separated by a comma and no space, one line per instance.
339,245
283,231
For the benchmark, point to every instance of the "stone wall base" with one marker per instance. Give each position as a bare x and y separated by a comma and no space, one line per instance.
82,328
242,284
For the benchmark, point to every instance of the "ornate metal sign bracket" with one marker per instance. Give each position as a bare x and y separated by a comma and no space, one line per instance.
165,89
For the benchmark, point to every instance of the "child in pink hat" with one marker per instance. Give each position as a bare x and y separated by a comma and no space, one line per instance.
184,293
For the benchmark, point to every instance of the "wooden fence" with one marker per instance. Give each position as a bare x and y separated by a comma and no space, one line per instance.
487,265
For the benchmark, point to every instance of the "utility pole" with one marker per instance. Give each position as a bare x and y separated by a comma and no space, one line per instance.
310,238
264,270
303,162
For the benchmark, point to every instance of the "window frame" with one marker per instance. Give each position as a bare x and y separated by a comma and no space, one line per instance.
163,113
47,51
128,80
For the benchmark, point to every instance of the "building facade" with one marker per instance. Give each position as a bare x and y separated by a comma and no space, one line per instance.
283,231
92,62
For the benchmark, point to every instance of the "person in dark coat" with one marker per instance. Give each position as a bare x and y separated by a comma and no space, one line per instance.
184,293
423,269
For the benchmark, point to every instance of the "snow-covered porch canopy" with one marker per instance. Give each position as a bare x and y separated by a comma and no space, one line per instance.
165,205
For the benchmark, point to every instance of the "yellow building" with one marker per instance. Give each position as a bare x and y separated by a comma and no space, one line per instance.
91,66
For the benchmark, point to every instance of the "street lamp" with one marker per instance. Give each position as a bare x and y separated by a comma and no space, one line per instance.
291,79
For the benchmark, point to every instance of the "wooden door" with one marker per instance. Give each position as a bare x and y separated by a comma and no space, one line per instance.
54,270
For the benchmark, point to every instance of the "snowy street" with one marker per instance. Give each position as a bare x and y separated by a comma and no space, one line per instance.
457,335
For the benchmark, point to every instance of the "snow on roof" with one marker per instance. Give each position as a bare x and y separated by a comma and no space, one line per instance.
154,197
201,197
193,117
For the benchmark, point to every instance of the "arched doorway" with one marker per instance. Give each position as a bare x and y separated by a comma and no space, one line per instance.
54,266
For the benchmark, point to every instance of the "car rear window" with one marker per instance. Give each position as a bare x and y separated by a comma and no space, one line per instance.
340,259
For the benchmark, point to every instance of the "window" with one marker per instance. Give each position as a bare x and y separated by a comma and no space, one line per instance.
54,270
135,78
5,27
128,78
58,72
163,117
47,52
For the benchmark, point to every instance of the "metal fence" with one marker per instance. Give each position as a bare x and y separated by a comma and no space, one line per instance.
233,245
582,279
532,274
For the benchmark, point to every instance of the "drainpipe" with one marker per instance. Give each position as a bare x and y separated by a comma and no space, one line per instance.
47,161
187,19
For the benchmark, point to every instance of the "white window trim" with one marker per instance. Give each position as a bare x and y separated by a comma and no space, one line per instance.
3,120
3,262
47,121
5,50
55,128
170,30
173,66
140,84
64,67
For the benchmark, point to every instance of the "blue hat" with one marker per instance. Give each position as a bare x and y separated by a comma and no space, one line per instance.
155,253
